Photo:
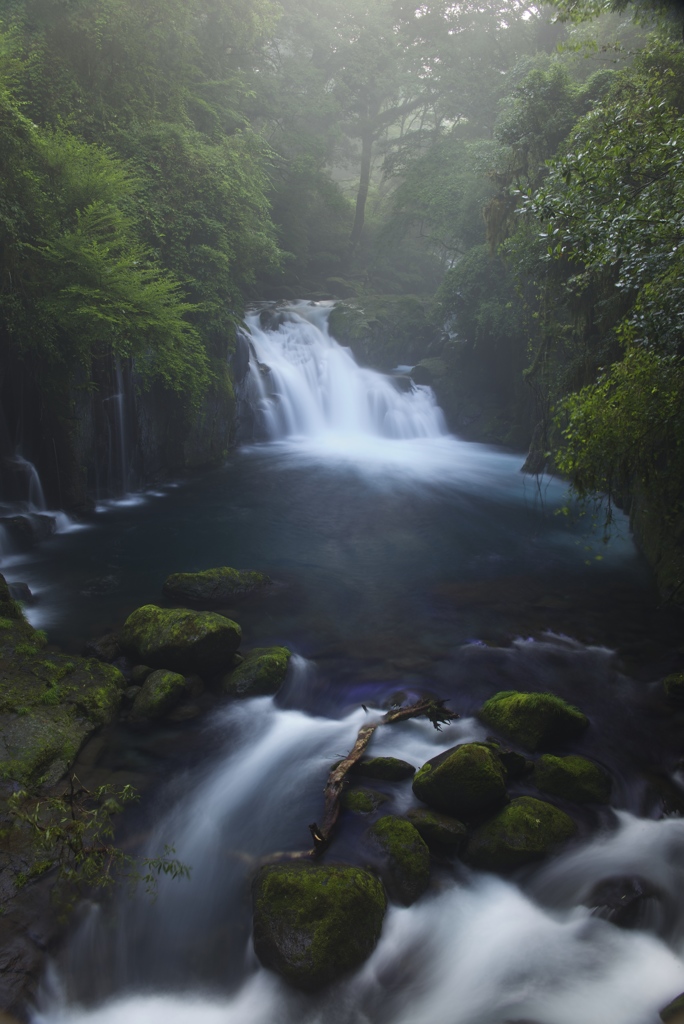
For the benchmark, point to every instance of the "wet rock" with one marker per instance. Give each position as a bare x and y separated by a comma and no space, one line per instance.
524,831
361,800
572,778
674,687
194,686
9,609
390,769
130,693
160,692
21,592
533,720
314,923
515,765
406,867
467,780
184,713
212,588
628,902
139,674
181,640
438,828
104,648
673,1013
261,673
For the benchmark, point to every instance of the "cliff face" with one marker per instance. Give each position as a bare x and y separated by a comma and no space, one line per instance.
98,434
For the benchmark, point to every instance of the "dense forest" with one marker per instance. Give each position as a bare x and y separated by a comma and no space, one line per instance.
493,189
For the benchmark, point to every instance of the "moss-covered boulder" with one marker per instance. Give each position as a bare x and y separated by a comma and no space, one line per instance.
572,778
160,692
438,829
389,769
49,705
9,608
535,721
180,639
406,858
362,800
673,1013
314,923
465,781
262,672
212,587
674,687
526,830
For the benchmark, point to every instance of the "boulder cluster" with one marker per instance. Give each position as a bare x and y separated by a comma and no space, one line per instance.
466,810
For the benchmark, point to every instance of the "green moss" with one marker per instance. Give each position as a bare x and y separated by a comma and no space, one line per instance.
262,672
464,781
181,640
314,923
673,1013
390,769
534,720
159,693
407,871
526,830
212,587
572,778
361,800
440,829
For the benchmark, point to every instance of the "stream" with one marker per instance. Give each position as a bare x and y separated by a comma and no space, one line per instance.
406,562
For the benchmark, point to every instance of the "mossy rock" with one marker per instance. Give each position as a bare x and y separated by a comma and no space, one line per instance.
535,721
406,870
9,608
361,800
179,639
439,829
160,692
314,923
389,769
262,672
572,778
524,831
674,687
465,781
212,588
673,1013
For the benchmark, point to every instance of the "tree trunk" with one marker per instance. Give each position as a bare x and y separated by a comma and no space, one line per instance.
364,182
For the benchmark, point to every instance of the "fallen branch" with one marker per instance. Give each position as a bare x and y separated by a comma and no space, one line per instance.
434,710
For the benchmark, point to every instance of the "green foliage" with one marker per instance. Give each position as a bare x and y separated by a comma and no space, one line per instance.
74,834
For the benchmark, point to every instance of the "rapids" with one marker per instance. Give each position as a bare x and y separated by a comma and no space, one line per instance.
406,561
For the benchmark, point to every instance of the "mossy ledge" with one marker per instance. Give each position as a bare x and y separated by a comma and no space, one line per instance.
536,721
315,923
50,703
212,588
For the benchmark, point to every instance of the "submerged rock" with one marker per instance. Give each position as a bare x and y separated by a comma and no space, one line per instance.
389,769
406,869
526,830
534,720
313,923
181,640
361,800
212,587
262,672
572,778
467,780
629,902
438,828
160,692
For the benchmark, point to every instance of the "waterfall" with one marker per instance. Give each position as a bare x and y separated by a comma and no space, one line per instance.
305,385
35,497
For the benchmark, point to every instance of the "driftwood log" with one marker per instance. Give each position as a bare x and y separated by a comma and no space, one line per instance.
434,710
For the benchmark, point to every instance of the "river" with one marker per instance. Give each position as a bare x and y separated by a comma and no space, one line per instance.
405,562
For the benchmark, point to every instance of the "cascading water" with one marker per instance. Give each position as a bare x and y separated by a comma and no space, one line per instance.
475,949
306,385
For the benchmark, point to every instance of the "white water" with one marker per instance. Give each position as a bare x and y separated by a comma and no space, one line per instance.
475,949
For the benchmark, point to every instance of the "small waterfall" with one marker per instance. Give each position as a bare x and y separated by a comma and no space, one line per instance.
303,384
35,498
